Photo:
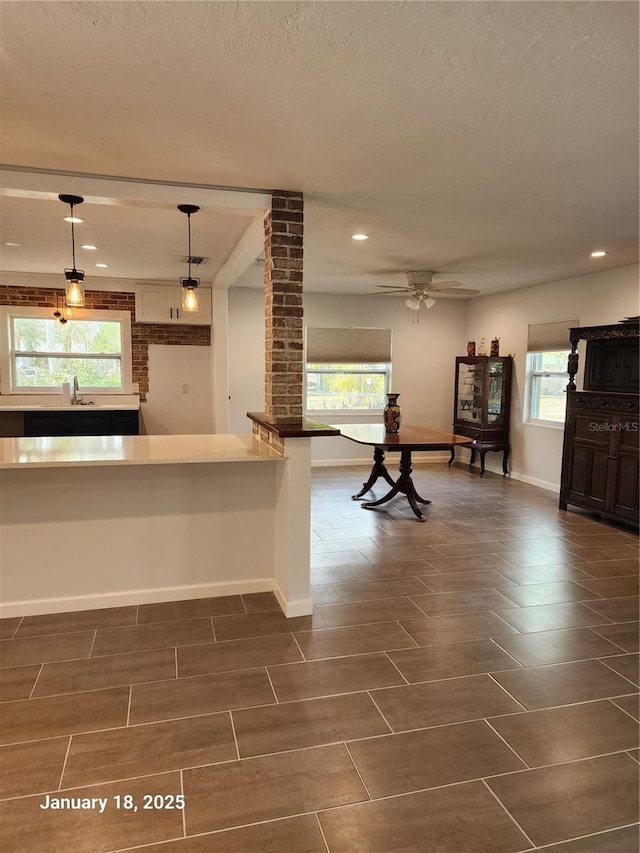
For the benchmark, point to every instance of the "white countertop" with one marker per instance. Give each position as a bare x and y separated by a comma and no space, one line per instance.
90,407
78,451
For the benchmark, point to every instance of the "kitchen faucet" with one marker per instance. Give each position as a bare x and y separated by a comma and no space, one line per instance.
76,399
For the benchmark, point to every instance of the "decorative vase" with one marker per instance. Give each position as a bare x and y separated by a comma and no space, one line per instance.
392,414
482,349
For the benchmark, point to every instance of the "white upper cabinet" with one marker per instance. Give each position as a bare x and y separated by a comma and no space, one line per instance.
156,303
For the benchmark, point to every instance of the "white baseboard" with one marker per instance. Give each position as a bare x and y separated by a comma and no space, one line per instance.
301,607
534,481
39,606
416,459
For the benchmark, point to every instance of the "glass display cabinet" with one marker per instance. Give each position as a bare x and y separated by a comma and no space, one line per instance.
481,405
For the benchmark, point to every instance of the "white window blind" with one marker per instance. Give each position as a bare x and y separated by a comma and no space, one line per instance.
348,346
550,337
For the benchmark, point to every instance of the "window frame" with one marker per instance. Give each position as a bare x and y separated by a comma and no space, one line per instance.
7,353
346,413
533,377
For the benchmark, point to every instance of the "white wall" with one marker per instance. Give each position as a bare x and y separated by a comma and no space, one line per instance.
169,410
596,299
423,357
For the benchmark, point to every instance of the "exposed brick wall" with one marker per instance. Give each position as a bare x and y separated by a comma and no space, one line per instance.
283,226
269,437
142,334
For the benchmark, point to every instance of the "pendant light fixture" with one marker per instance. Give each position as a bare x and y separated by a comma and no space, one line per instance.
74,291
189,284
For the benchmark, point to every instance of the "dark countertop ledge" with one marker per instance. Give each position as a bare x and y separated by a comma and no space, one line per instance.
303,428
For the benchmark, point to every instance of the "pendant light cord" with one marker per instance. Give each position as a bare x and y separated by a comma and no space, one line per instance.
189,230
73,238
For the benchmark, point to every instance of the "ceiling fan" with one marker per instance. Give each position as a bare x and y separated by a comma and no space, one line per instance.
420,287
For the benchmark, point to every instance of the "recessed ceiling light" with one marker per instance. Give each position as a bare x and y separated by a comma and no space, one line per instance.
359,236
13,245
75,219
88,246
598,254
102,266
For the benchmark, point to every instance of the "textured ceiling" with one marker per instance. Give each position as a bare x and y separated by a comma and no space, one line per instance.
494,142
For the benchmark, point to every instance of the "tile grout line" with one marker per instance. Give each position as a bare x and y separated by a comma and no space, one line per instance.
233,732
613,643
36,681
184,806
379,711
591,835
275,695
355,767
304,657
340,743
406,680
335,695
413,640
326,843
510,695
613,702
506,743
495,643
507,812
93,642
604,661
64,763
18,626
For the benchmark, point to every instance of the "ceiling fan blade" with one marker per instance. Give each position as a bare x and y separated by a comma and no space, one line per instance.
387,292
451,291
450,283
393,287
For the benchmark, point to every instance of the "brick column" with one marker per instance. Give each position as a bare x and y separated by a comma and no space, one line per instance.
283,230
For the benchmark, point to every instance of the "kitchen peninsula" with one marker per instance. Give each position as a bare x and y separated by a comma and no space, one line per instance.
104,521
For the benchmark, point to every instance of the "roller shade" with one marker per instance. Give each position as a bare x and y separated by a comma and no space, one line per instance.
550,337
348,346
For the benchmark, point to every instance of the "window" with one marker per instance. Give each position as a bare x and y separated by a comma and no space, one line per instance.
547,378
39,353
347,369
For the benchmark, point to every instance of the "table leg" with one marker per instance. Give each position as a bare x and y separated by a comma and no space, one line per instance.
403,485
379,470
505,459
452,457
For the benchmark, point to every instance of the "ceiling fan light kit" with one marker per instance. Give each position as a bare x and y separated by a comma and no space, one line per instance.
422,289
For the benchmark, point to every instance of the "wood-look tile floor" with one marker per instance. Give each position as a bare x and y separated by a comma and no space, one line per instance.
468,685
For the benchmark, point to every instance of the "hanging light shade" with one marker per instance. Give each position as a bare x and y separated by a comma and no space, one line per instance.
189,284
74,288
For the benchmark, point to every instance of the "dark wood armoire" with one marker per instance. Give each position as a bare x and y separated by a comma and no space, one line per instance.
600,453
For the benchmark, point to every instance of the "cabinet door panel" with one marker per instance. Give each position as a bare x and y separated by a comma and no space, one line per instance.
589,463
626,503
89,423
156,305
124,423
43,423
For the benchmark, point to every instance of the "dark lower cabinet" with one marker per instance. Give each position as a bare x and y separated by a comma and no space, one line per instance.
601,455
92,422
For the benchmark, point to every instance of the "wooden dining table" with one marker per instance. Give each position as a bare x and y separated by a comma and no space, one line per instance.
408,439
